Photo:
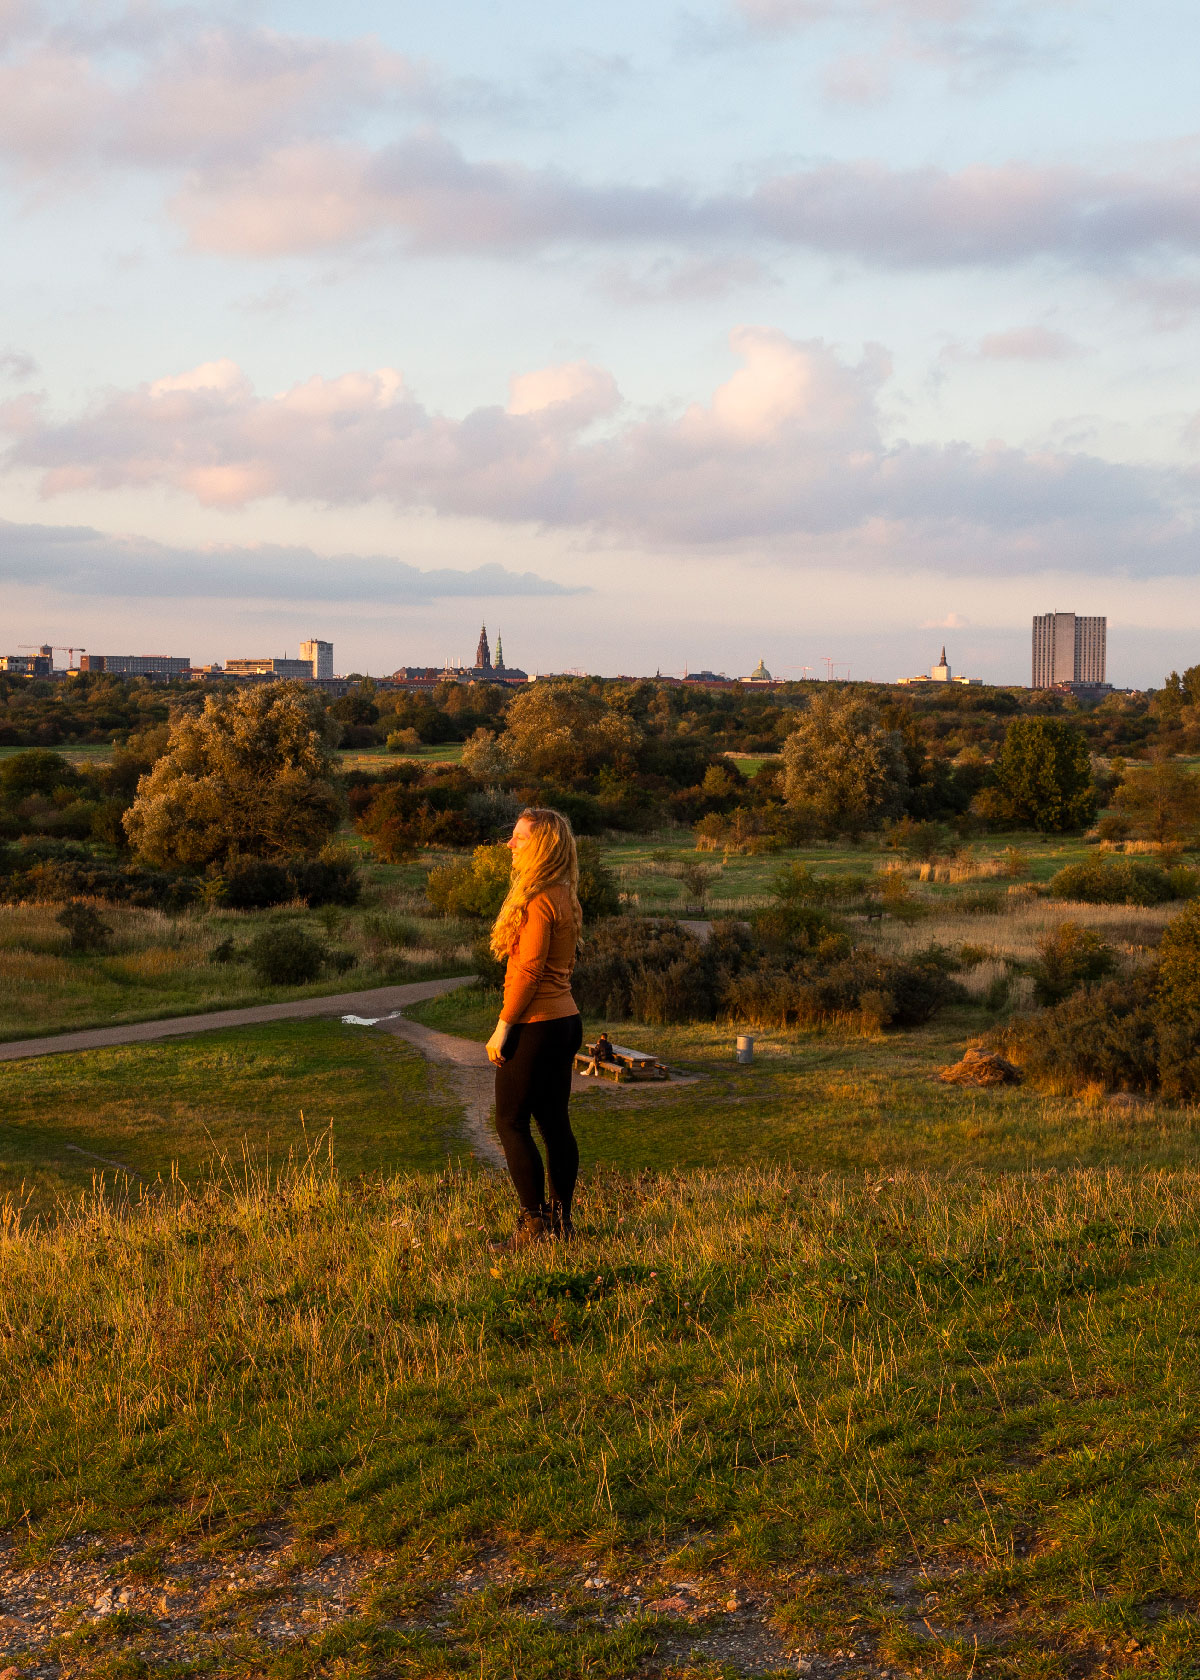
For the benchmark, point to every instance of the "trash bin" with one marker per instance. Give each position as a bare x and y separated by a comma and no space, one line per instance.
745,1047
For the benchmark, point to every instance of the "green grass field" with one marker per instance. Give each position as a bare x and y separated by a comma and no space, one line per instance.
157,966
910,1369
933,1423
376,758
189,1108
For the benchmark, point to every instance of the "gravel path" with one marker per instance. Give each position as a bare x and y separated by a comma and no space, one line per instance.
375,1002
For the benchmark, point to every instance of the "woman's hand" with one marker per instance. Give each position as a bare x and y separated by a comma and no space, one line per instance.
495,1044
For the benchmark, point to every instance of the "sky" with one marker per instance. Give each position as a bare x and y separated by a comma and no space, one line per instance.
655,336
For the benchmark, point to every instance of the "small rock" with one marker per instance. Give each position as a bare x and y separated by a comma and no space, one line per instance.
595,1583
10,1674
736,1601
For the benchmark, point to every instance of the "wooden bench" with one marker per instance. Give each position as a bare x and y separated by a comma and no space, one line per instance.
626,1064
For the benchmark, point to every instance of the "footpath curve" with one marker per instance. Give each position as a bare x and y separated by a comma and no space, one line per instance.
379,1001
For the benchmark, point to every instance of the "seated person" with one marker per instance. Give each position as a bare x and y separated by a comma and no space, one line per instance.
602,1051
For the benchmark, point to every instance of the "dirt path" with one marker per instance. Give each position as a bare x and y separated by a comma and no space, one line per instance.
376,1002
471,1073
474,1082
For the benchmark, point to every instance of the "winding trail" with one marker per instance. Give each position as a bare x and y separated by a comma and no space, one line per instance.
465,1060
376,1002
471,1073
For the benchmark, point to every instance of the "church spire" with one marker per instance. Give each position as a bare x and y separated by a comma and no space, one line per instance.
499,651
483,654
942,660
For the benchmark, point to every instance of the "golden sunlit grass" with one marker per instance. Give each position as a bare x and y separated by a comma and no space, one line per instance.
801,1381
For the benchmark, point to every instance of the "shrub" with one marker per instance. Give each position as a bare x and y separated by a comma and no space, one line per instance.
390,932
1105,1035
696,879
982,901
598,893
285,955
475,886
878,991
225,951
401,814
794,884
251,884
403,741
1070,957
36,771
1141,1032
489,971
257,884
494,810
921,840
46,873
657,971
1119,881
86,928
324,880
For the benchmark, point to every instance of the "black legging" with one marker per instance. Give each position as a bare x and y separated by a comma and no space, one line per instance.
535,1084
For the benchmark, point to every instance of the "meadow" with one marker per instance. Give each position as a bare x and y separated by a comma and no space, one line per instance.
848,1373
930,1423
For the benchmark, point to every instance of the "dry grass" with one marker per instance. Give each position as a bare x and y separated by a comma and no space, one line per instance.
155,965
1015,934
791,1379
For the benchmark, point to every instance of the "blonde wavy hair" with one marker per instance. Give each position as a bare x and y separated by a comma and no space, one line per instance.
549,859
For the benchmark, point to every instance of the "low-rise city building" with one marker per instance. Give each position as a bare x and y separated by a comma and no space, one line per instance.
280,669
136,664
27,664
942,673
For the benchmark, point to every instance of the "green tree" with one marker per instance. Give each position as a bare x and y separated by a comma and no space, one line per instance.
1043,777
564,732
1161,800
36,771
251,776
473,886
1070,957
843,766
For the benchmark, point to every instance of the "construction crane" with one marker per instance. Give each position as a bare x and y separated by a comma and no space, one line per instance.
45,647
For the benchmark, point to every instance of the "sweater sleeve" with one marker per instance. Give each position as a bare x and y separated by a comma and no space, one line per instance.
527,963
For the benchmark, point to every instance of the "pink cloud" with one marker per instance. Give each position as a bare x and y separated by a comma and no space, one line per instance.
789,446
968,39
1027,344
195,95
425,194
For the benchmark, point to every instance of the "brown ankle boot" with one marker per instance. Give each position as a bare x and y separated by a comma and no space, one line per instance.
557,1219
531,1229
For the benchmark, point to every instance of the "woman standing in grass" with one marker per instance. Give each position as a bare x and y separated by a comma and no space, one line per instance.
539,1030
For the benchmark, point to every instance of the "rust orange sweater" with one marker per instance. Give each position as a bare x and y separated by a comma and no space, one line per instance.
537,981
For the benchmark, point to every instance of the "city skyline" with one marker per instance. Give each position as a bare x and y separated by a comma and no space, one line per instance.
640,328
1069,649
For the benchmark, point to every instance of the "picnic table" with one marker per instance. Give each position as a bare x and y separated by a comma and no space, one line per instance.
626,1064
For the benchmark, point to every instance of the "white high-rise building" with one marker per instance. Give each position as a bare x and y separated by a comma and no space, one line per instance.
1068,648
320,657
